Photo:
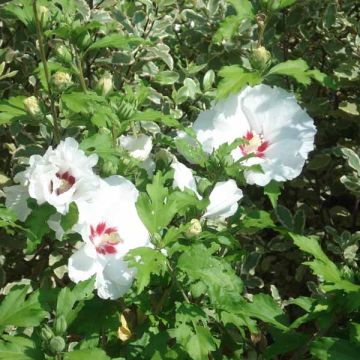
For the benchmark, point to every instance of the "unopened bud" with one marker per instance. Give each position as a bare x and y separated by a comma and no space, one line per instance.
43,13
60,325
46,333
63,53
57,344
105,83
61,80
194,228
32,106
260,58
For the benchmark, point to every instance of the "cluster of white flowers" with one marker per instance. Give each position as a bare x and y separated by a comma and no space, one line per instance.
277,134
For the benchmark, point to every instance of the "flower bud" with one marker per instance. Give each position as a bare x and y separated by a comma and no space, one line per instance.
105,84
194,228
260,58
57,344
61,80
63,54
60,325
43,13
32,106
46,333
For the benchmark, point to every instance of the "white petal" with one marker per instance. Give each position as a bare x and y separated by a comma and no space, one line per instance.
184,178
81,265
54,224
223,123
138,146
115,279
223,200
16,200
149,165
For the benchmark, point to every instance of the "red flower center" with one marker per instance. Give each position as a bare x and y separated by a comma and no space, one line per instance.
255,144
104,238
66,182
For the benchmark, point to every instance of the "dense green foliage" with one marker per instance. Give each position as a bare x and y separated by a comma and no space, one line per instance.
280,279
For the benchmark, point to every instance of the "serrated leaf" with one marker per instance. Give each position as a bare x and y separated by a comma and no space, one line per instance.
147,261
156,116
101,144
265,308
327,348
201,344
19,348
298,69
273,191
17,310
192,151
234,79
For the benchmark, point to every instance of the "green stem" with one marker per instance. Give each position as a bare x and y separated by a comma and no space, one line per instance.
80,72
173,275
47,74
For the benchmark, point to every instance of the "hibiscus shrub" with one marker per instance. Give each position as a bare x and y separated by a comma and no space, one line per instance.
179,179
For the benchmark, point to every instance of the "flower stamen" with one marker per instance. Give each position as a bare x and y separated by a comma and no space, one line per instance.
255,145
104,238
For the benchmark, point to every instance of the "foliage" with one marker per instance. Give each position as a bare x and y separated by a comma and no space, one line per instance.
280,279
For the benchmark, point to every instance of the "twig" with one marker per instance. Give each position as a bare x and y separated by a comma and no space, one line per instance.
47,74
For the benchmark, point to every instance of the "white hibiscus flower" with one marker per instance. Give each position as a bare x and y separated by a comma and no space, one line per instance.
59,177
139,147
223,201
110,226
279,133
184,178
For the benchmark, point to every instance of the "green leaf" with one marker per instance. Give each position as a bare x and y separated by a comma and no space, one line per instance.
150,261
352,158
71,218
257,219
201,344
281,4
101,144
322,265
16,310
192,151
78,102
298,69
155,208
12,109
37,224
156,116
71,301
284,216
265,308
234,79
273,191
220,279
167,77
86,354
19,348
328,348
117,41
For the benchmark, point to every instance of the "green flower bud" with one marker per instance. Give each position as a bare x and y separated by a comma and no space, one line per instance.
32,106
46,333
60,325
194,228
109,168
260,58
43,13
57,344
63,53
61,80
105,84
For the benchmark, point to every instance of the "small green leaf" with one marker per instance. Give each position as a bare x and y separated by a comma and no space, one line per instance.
71,218
147,261
273,191
117,41
234,79
201,344
284,216
298,69
167,77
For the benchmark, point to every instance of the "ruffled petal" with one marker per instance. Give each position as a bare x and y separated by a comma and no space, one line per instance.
114,280
223,200
184,178
81,265
138,146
